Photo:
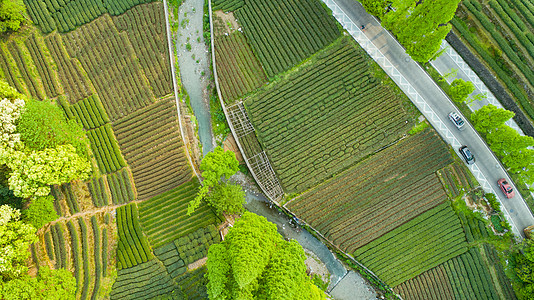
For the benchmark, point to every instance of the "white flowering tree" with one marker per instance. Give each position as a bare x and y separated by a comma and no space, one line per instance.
10,111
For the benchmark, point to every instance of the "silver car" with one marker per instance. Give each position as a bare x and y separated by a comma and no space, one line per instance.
456,120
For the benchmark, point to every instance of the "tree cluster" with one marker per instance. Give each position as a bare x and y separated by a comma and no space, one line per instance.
39,147
505,142
419,26
255,262
12,15
460,90
524,269
217,167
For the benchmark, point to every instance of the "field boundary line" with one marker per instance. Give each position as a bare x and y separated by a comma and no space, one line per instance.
175,89
356,32
262,163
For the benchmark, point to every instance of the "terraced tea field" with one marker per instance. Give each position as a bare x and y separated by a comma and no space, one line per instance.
326,116
378,194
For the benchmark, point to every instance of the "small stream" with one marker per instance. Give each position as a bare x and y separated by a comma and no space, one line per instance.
194,71
194,68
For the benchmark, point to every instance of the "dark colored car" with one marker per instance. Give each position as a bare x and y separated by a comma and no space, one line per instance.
467,155
506,188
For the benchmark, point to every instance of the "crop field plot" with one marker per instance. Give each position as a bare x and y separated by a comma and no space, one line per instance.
84,246
75,85
282,33
416,246
471,275
145,26
326,116
133,248
66,15
151,143
164,217
110,63
32,85
502,33
147,280
456,178
238,70
378,194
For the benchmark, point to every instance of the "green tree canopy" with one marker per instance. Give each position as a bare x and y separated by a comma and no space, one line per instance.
48,285
460,89
490,117
11,15
216,167
40,212
15,238
43,125
31,174
226,197
420,26
375,7
525,269
254,262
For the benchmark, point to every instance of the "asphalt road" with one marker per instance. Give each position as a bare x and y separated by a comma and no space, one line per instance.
431,101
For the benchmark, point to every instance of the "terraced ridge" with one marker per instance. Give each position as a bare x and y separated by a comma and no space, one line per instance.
416,246
325,116
282,33
164,217
467,276
378,194
145,26
111,65
150,141
238,70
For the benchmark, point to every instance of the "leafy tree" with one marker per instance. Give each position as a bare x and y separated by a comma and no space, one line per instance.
216,167
489,117
420,26
40,212
460,89
254,262
15,238
11,14
10,111
525,269
375,7
9,92
226,197
43,125
31,174
49,285
504,140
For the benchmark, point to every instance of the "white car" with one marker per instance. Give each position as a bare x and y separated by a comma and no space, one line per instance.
456,120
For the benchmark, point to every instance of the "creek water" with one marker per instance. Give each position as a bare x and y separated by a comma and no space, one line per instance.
194,71
193,61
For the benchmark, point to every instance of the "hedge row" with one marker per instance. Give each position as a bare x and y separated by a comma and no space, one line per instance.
98,262
504,281
474,228
89,112
194,283
145,25
31,84
43,68
70,198
56,193
9,74
227,5
194,246
66,15
106,149
98,191
75,252
75,85
133,248
85,256
61,253
104,252
120,186
48,245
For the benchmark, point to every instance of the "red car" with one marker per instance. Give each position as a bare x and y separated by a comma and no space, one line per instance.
506,188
